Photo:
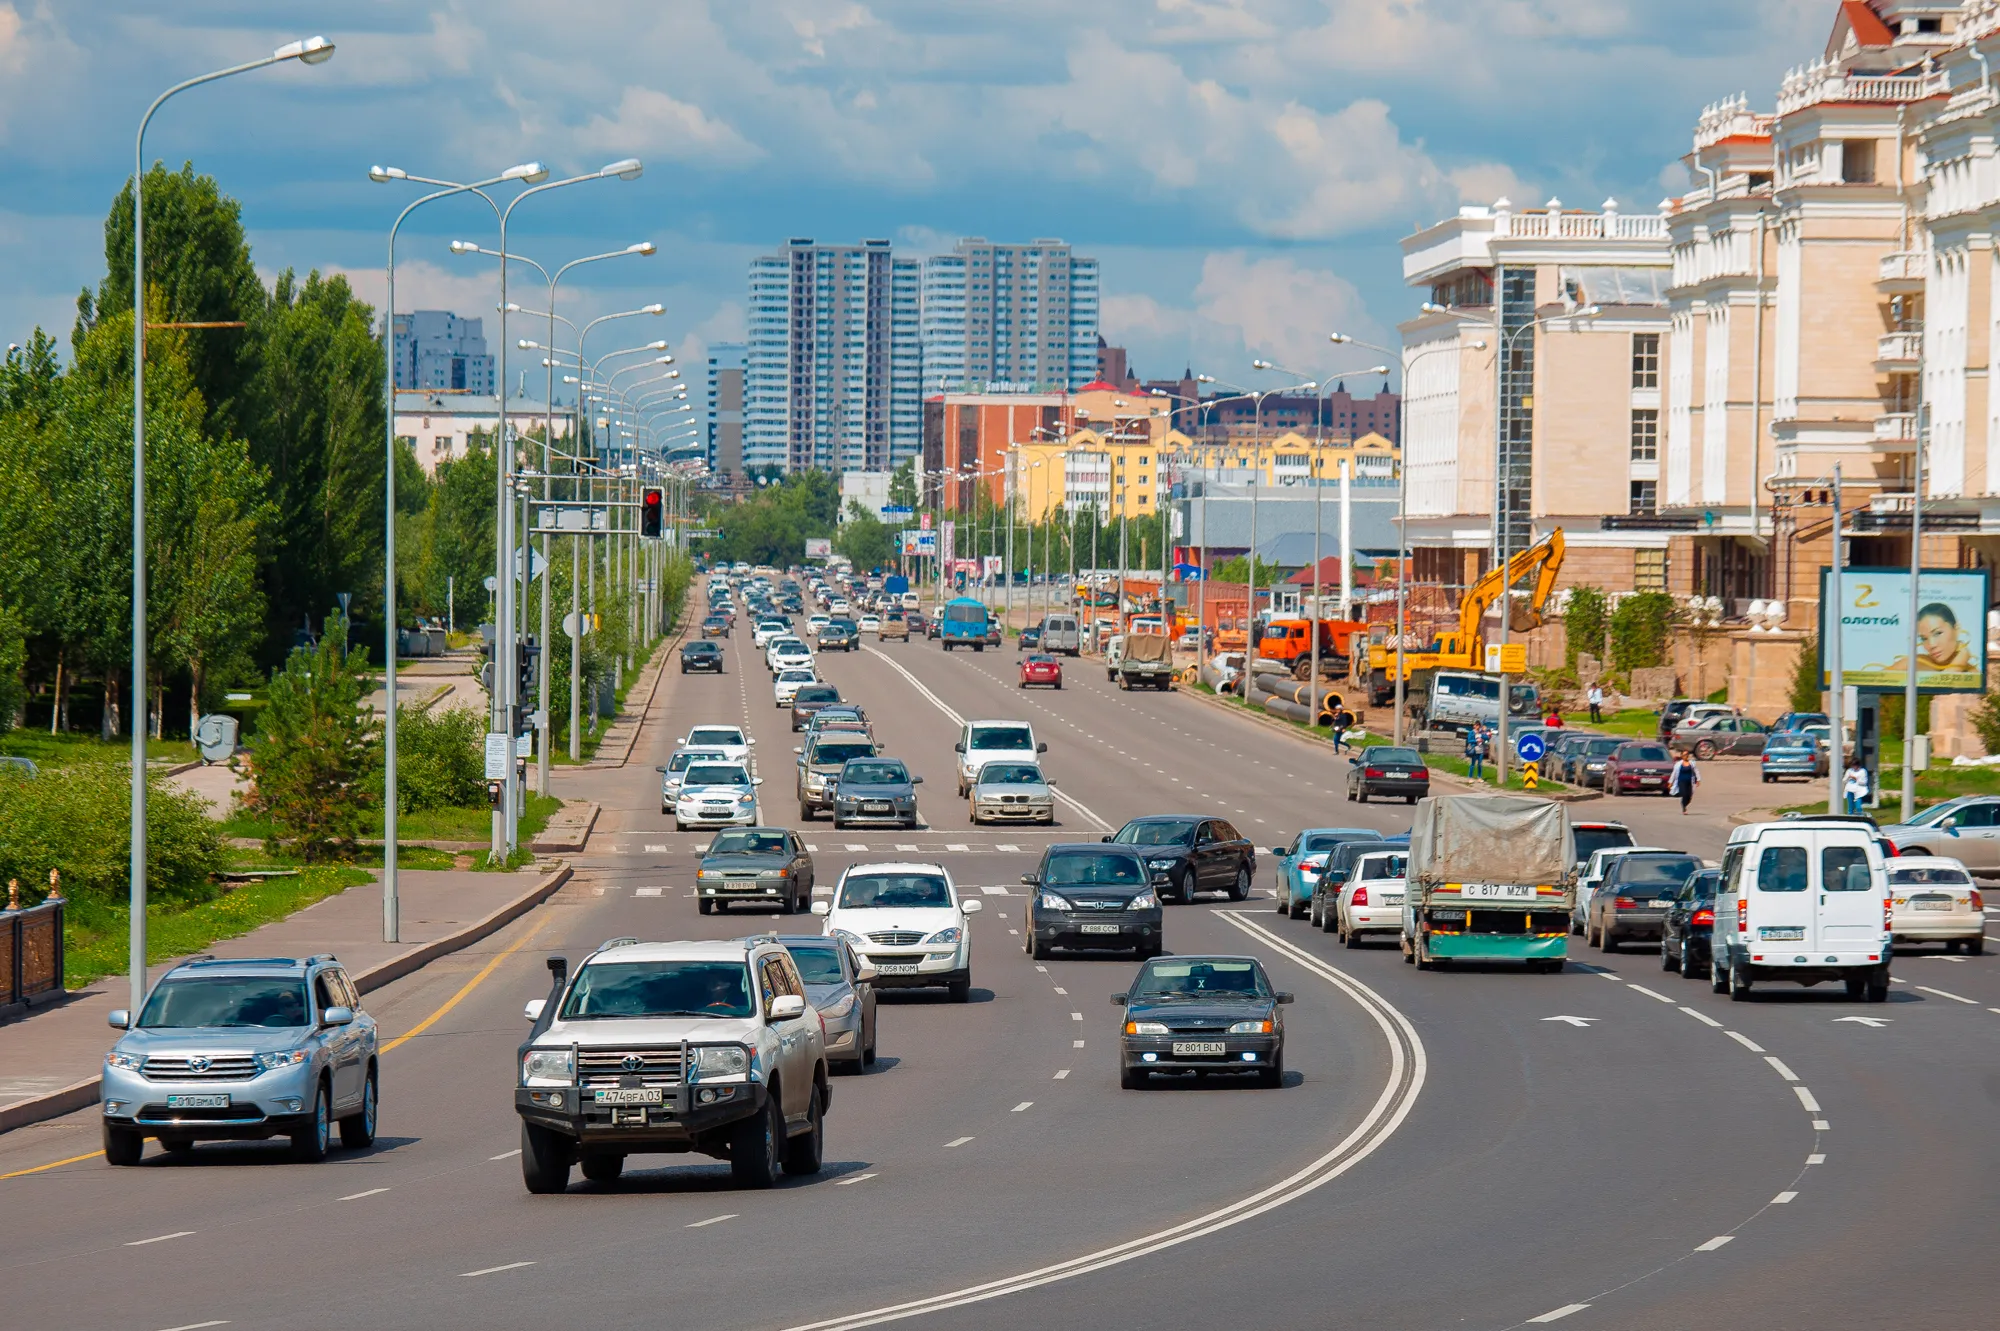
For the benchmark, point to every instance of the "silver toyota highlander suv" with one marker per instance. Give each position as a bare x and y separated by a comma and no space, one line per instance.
709,1047
242,1050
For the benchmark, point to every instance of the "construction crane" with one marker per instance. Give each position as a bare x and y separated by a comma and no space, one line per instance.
1464,648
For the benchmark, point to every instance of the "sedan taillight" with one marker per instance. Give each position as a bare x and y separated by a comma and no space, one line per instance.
1371,772
1625,903
1704,916
1360,896
1978,902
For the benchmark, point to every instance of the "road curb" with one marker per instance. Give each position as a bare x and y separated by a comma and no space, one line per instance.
645,709
80,1095
568,830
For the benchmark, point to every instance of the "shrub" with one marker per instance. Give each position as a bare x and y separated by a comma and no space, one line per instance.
440,759
1584,621
1640,628
315,762
1805,694
77,818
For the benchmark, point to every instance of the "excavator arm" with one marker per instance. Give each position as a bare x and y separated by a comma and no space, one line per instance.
1543,559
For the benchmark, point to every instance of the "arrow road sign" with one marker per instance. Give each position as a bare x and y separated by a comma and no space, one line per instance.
1530,746
1876,1022
1575,1021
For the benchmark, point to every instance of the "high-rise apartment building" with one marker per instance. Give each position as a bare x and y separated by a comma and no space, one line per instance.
725,407
1009,318
833,376
438,351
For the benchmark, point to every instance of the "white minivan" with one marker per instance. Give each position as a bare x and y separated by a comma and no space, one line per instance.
1804,900
983,742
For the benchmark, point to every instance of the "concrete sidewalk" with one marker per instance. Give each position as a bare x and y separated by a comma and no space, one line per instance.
622,735
49,1062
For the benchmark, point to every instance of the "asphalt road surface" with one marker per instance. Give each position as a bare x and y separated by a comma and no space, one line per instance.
1443,1153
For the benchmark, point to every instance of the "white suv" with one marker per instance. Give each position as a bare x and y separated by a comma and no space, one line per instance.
908,922
708,1047
983,742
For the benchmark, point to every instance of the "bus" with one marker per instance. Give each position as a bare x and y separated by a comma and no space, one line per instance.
962,622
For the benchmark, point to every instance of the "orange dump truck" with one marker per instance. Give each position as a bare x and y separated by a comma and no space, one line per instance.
1291,641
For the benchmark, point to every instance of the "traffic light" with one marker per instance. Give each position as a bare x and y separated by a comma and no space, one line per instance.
650,506
525,693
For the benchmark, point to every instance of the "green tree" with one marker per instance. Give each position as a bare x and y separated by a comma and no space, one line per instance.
314,759
1805,691
1229,570
451,551
1641,627
13,656
864,538
903,484
1585,619
440,759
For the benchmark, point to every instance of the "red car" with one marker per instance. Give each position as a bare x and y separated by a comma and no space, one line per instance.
1041,668
1639,768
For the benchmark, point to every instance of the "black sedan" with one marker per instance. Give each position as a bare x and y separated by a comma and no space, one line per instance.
761,866
715,626
701,654
1633,900
809,699
875,790
1092,896
1187,854
1031,636
1690,926
1387,771
1201,1014
839,635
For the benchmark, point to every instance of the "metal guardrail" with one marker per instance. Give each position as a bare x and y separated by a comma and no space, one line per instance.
31,956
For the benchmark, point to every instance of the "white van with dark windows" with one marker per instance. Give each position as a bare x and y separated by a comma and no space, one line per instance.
1461,697
1803,900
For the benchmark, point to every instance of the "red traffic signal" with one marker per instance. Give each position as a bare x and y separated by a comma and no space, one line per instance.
650,506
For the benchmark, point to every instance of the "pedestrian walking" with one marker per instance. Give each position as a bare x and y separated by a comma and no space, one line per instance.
1596,700
1686,776
1475,751
1340,721
1855,786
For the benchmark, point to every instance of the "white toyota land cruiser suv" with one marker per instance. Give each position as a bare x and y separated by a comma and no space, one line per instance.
669,1048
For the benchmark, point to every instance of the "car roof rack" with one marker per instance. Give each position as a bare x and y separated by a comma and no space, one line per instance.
321,956
623,941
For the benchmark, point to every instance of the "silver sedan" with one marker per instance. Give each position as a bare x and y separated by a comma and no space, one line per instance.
843,991
1013,792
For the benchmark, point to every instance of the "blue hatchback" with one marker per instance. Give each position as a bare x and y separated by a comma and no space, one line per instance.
1300,862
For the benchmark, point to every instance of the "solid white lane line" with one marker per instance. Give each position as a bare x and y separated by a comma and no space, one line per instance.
1715,1243
1558,1314
858,1178
1778,1066
1745,1041
1025,1104
1703,1017
1816,1159
1063,1073
712,1220
1806,1099
357,1196
1782,1198
1649,993
160,1238
505,1155
956,1141
489,1270
1953,997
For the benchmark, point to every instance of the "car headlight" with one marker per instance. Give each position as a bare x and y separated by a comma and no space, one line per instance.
1159,864
1050,901
284,1058
815,782
129,1062
1251,1028
545,1066
747,797
842,1008
951,935
853,939
1144,901
709,873
1593,767
1145,1028
722,1060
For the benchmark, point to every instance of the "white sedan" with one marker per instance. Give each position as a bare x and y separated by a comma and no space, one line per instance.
788,654
871,624
789,681
716,795
909,921
1932,900
730,741
814,623
768,629
1371,901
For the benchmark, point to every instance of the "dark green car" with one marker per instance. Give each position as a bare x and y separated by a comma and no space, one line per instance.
759,866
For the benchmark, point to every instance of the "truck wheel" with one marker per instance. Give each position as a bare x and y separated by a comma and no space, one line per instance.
1409,953
754,1145
123,1146
1718,978
1878,986
804,1152
1739,982
603,1166
544,1160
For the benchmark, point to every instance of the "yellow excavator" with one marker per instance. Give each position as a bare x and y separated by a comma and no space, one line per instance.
1465,647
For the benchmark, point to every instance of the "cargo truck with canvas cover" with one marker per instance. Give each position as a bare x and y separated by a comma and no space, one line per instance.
1489,880
1145,662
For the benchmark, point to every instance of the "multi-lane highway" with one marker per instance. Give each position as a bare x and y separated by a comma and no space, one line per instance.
1444,1152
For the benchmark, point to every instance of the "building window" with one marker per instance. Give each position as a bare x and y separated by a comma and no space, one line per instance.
1857,161
1646,435
1649,570
1644,497
1645,360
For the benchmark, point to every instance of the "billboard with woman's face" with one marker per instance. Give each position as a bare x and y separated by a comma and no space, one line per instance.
1877,639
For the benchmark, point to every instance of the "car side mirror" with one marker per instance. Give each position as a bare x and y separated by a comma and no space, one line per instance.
787,1007
866,975
756,780
972,907
795,749
337,1016
1042,748
1118,1000
533,1010
916,781
958,747
1284,996
1279,851
1049,783
119,1018
1032,879
661,770
822,907
753,739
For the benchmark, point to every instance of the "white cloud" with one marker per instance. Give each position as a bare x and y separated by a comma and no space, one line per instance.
658,125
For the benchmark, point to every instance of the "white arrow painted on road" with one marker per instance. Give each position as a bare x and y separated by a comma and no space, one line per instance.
1867,1021
1575,1021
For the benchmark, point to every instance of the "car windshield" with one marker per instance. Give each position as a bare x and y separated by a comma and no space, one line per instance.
1643,753
1095,867
1929,876
659,989
716,774
1325,842
1001,737
818,693
874,774
844,625
748,841
1382,866
1188,978
892,890
1590,840
679,762
839,751
817,965
1408,757
1171,832
716,737
1640,871
1010,774
226,1000
795,676
1598,748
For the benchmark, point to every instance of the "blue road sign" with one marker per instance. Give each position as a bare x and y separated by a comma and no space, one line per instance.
1530,747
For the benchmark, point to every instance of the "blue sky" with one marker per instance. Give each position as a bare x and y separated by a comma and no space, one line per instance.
1243,168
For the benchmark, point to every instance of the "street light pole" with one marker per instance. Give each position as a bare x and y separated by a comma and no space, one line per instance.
311,51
